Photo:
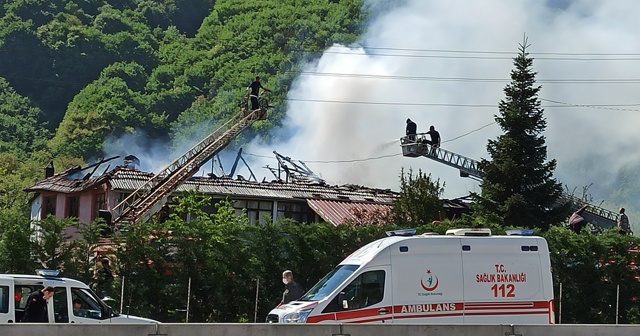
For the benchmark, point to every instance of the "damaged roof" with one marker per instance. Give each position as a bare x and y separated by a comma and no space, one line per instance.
124,178
338,212
70,181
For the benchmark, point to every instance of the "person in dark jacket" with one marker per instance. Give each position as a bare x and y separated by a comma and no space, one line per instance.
412,130
293,290
36,309
255,87
435,137
105,278
576,221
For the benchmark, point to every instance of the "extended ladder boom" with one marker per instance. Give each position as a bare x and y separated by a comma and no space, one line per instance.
151,196
469,168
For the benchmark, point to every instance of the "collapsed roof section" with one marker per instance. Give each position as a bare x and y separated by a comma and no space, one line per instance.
126,178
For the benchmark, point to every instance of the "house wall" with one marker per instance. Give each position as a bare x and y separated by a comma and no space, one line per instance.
36,212
36,208
61,205
85,212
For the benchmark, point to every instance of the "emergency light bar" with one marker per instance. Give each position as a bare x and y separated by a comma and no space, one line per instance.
520,232
469,232
402,232
48,272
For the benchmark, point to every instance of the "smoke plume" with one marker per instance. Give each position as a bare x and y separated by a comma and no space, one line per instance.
445,63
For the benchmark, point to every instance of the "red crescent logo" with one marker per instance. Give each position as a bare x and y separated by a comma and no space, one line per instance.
427,288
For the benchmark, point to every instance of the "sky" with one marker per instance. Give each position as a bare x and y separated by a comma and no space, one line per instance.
445,63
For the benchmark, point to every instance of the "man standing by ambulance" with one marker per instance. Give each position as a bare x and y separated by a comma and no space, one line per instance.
36,309
293,290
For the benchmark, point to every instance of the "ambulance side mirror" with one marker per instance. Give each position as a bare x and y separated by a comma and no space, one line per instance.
342,300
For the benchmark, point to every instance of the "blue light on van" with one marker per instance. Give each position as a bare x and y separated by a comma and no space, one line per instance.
520,232
48,272
402,232
404,248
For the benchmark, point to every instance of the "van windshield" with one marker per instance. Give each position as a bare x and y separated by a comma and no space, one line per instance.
329,283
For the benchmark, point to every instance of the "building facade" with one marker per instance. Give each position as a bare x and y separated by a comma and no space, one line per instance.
85,195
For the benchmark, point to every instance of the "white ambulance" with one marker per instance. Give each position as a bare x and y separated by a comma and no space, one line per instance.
15,289
466,276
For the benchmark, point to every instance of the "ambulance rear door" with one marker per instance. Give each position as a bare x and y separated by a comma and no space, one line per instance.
503,281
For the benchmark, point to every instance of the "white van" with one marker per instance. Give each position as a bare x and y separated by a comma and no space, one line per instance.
466,276
15,289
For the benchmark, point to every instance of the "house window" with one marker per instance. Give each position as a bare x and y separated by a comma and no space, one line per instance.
100,203
257,211
50,206
73,206
299,212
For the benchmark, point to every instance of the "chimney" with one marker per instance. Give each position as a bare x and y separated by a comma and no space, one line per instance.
131,161
48,170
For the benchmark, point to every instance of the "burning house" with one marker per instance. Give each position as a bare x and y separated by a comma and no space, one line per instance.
91,192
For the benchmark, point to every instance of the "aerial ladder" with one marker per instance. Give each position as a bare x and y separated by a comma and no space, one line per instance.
147,200
469,168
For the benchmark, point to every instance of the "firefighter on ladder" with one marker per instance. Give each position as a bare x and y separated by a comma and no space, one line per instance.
255,87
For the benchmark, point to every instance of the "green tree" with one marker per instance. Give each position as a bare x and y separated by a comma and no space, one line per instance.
15,243
86,250
20,133
589,269
419,200
53,248
518,188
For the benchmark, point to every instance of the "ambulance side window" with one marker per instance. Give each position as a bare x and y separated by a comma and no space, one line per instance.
4,299
90,307
364,291
22,294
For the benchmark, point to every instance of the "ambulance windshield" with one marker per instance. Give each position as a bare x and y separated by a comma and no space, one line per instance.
329,283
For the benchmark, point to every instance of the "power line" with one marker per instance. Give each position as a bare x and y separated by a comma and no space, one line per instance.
376,157
590,58
468,133
335,161
499,52
388,103
562,105
602,107
468,79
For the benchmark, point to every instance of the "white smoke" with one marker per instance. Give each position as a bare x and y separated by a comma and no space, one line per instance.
590,144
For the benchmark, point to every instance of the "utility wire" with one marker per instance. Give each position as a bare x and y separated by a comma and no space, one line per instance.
615,107
388,103
468,79
590,58
601,107
334,161
400,77
375,157
472,131
495,52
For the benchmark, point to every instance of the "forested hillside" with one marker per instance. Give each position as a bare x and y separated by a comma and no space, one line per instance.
96,67
76,71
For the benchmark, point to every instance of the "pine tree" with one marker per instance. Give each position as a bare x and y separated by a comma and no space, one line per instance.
518,188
